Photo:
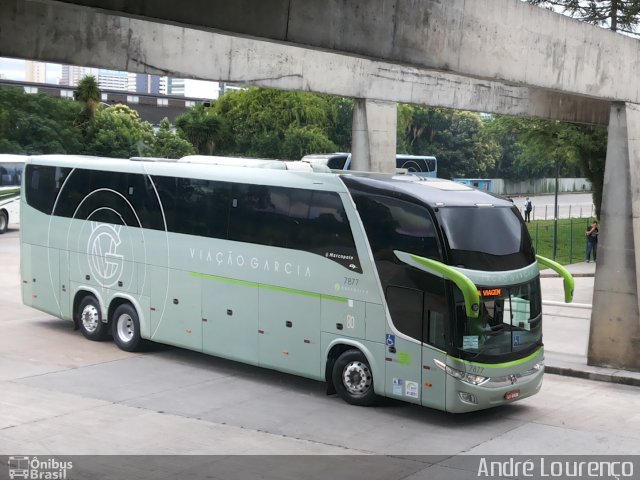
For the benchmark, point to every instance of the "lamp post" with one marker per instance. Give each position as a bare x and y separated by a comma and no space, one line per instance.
555,214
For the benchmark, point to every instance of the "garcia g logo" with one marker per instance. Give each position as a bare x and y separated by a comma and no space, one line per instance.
102,249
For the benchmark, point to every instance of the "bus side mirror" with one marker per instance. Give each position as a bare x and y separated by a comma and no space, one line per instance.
567,278
464,283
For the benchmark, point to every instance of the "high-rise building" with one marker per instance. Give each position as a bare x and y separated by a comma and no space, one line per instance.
144,83
229,87
175,86
72,74
164,85
35,72
113,80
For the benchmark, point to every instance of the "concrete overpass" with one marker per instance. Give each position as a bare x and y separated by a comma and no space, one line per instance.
500,56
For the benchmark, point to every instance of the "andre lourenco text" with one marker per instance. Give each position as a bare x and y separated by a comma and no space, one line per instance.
542,468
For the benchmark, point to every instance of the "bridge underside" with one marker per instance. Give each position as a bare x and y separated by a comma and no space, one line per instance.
495,56
79,36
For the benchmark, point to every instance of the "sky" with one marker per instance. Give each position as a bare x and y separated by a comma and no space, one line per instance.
13,69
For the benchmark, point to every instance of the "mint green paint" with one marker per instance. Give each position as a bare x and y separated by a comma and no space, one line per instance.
268,287
404,358
563,272
10,192
466,286
513,363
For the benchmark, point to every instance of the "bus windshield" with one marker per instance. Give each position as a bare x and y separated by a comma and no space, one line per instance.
486,238
509,325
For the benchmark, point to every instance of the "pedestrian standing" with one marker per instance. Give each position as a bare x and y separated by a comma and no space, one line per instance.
527,210
592,242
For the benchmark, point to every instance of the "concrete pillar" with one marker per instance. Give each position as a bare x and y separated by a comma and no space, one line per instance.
374,130
614,338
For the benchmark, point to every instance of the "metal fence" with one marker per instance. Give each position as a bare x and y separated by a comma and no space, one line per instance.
545,212
571,241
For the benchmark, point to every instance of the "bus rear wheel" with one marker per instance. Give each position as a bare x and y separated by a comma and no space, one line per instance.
353,379
126,328
89,319
4,221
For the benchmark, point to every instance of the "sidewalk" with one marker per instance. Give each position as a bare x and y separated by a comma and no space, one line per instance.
582,269
566,328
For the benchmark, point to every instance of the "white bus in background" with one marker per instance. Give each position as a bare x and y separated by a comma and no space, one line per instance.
10,179
418,165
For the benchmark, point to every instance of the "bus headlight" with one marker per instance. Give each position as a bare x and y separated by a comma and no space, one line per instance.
469,378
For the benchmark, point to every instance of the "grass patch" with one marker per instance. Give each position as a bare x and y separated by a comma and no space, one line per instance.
571,244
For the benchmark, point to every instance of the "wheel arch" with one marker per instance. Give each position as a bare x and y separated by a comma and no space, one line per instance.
340,345
82,292
6,214
122,298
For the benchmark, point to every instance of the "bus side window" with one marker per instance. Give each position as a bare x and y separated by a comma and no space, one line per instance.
166,191
393,224
319,225
201,207
43,184
259,214
405,307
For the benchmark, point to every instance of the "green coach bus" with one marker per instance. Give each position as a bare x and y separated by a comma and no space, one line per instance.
422,290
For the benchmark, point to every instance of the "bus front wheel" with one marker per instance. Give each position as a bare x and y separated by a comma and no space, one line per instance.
126,328
353,379
89,319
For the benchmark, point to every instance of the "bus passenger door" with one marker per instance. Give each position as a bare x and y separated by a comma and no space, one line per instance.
435,328
403,350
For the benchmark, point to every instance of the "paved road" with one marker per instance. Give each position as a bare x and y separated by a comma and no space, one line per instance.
61,394
570,205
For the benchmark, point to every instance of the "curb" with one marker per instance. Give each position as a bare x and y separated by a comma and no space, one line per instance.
575,275
615,377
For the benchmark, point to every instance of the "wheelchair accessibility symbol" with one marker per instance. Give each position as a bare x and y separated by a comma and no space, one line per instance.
390,340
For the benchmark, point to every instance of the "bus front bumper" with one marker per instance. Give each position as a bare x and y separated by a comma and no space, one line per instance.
462,397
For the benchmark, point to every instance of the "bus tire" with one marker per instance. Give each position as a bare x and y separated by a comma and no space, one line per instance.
126,328
4,221
353,379
89,319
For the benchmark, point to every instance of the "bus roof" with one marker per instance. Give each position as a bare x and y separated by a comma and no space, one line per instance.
202,169
435,192
9,157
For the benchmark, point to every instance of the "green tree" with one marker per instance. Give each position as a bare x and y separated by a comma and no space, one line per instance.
167,144
339,122
537,147
617,15
118,132
259,119
592,151
88,93
505,132
202,126
457,138
300,141
37,124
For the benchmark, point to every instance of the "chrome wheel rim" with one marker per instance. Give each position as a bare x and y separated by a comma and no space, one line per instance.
3,222
90,318
356,378
126,328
